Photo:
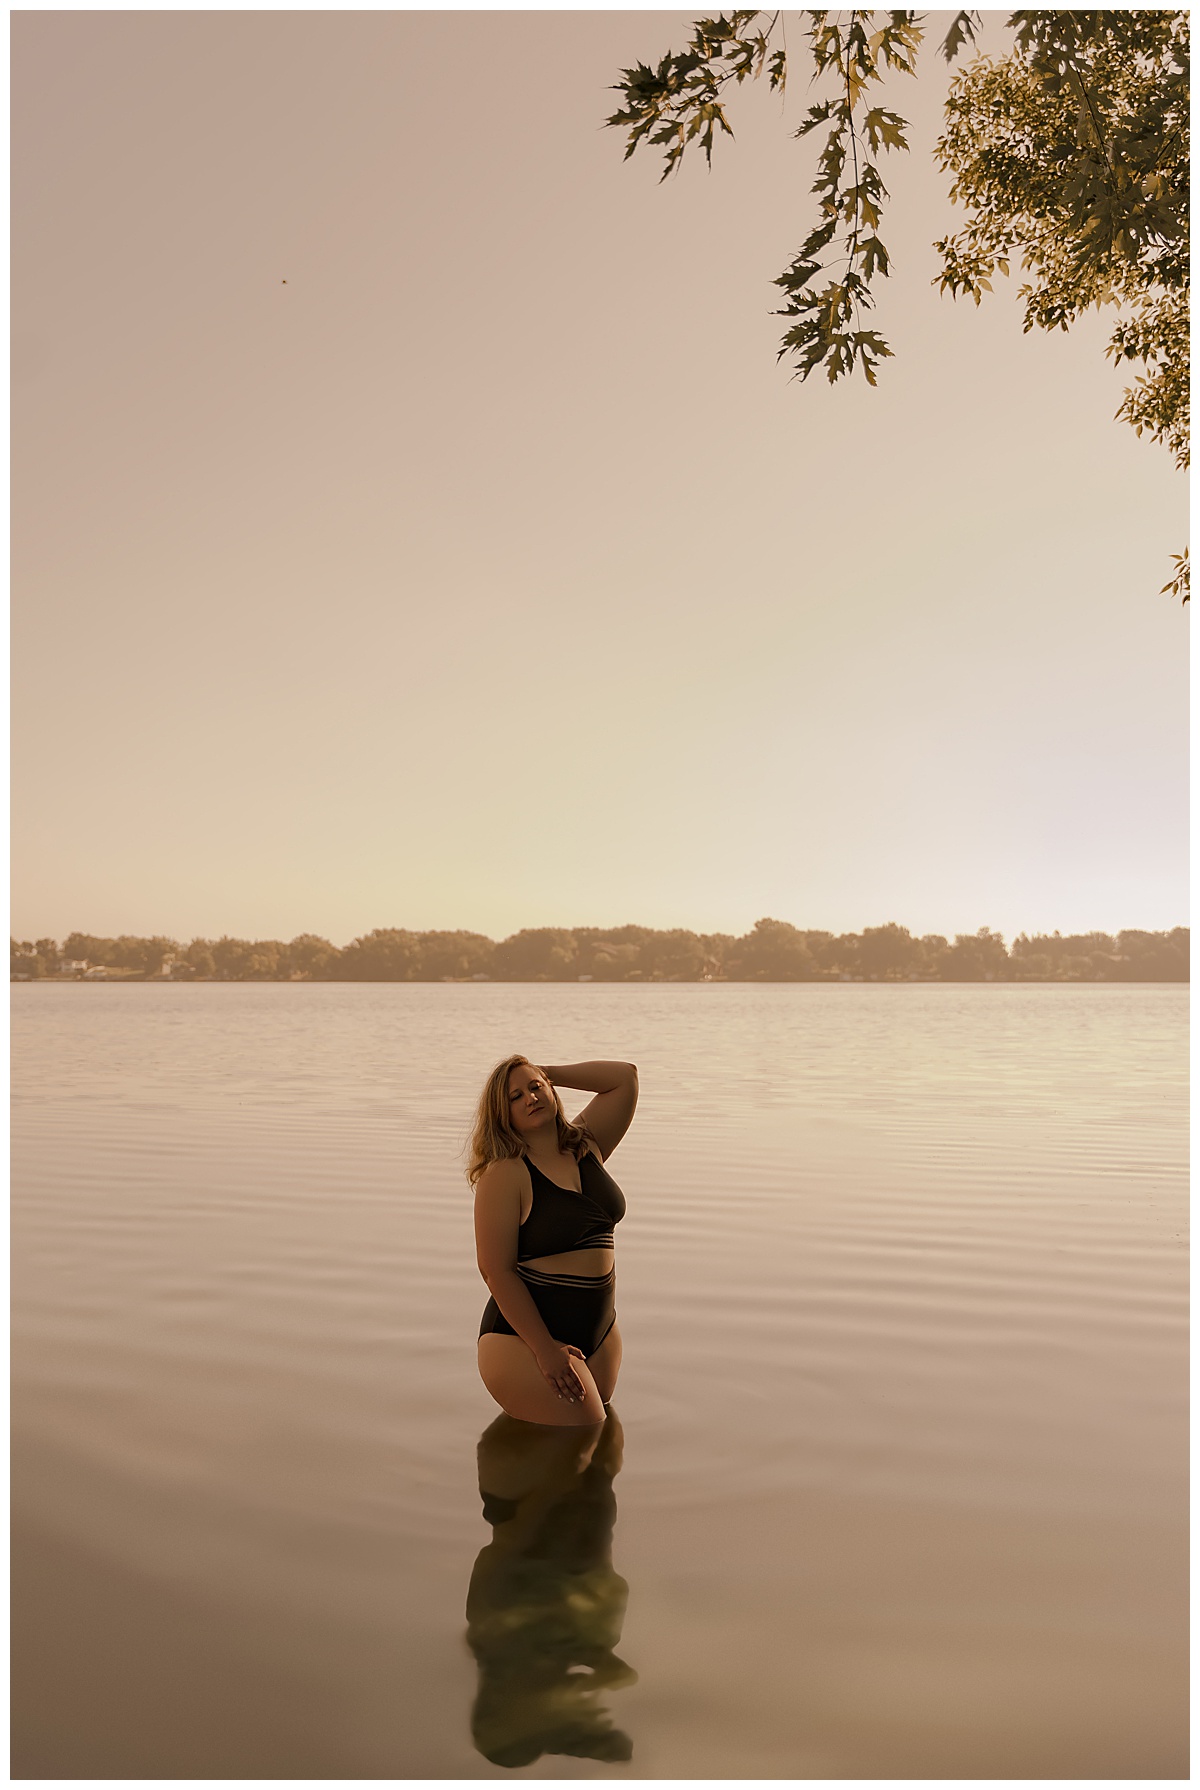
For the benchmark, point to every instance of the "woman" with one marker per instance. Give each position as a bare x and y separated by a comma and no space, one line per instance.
545,1207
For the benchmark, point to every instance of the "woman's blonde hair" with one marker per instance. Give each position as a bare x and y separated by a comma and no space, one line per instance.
494,1138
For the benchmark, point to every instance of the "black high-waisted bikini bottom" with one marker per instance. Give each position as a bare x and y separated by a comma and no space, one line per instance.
575,1308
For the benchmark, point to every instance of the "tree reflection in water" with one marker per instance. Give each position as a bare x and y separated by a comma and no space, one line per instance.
545,1608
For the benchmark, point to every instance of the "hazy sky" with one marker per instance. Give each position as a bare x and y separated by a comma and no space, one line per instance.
491,572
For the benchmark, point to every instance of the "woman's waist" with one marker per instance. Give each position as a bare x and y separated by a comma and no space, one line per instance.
573,1266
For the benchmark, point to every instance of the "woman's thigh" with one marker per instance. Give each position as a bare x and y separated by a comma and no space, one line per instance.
605,1364
516,1382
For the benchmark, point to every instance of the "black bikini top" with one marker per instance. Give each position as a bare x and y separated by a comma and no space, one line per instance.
561,1219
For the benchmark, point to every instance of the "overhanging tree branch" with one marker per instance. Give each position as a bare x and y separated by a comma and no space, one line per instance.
1071,153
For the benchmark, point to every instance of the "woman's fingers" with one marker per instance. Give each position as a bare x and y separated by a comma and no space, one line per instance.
561,1374
559,1370
573,1384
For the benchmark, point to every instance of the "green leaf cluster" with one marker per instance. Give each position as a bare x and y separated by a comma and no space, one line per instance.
1070,155
678,101
828,282
827,285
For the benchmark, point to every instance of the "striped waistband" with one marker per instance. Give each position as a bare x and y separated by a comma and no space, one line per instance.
537,1277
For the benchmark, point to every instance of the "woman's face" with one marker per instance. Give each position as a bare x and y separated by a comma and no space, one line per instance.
531,1105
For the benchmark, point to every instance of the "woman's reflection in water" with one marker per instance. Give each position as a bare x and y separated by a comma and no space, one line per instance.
545,1607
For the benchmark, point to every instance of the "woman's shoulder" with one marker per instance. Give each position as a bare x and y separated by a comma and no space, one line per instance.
503,1175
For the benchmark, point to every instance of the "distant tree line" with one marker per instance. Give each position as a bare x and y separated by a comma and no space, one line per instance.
772,951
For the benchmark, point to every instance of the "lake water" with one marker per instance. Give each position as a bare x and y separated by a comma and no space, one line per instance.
896,1482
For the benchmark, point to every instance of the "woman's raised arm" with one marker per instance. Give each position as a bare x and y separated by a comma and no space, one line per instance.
615,1085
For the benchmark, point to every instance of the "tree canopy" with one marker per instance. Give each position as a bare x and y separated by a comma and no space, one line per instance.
1070,155
772,951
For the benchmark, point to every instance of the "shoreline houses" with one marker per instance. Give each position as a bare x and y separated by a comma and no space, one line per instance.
79,969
